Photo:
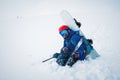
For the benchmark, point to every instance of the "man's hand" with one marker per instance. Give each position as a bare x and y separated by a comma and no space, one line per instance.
65,49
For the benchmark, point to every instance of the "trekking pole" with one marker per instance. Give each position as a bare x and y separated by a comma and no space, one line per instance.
47,59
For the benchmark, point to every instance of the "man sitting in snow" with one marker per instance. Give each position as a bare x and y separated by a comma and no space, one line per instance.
75,47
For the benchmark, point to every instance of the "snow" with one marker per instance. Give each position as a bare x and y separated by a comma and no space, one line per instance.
29,35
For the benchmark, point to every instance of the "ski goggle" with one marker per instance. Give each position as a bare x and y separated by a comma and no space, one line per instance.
63,32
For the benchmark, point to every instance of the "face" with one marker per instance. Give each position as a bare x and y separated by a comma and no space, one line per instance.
64,34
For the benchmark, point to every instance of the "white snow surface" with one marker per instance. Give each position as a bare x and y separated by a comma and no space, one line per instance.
29,35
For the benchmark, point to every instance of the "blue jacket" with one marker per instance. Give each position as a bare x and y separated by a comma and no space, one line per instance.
71,42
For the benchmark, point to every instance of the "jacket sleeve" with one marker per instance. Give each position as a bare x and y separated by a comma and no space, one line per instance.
73,42
75,39
64,45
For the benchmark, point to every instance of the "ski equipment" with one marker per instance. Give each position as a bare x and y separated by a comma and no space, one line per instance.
71,22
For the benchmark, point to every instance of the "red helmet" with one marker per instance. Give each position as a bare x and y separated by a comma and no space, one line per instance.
63,27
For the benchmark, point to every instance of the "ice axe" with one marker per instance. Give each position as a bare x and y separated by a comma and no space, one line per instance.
54,56
47,59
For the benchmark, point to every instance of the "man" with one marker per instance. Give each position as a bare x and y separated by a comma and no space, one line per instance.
75,47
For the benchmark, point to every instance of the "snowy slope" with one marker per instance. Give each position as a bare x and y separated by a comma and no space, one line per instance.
29,34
